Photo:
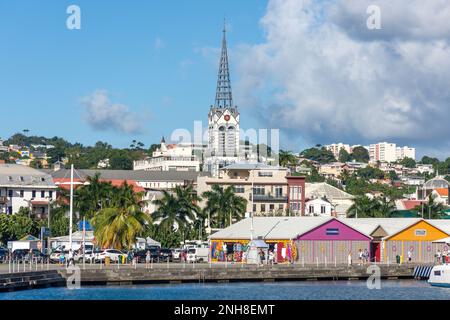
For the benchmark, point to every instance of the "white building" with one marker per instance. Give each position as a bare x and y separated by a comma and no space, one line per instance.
405,152
318,208
223,122
171,157
336,148
22,186
389,152
383,151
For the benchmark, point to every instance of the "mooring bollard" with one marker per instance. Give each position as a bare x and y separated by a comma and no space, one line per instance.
168,266
335,261
325,261
9,266
303,262
317,261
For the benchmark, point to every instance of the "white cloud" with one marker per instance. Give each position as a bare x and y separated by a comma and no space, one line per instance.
322,75
101,114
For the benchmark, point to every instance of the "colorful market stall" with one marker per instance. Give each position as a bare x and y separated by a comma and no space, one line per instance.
331,243
416,239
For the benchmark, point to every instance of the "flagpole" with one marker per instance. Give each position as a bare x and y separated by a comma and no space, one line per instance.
71,207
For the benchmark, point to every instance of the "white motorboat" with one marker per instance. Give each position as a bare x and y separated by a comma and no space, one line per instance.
440,276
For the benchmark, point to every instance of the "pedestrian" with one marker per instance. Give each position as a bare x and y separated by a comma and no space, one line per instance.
70,261
349,258
360,257
62,257
271,257
147,258
366,256
438,256
409,256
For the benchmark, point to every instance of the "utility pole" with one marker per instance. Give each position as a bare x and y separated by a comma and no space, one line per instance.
71,207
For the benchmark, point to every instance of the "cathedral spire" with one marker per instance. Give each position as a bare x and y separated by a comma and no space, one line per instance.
224,97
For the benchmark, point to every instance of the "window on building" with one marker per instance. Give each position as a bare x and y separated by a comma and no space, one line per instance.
258,190
22,179
50,194
295,193
265,174
254,208
280,207
21,193
322,209
10,210
42,194
263,208
10,193
271,207
311,209
278,191
33,193
239,189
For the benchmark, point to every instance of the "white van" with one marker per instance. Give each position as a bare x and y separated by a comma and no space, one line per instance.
197,255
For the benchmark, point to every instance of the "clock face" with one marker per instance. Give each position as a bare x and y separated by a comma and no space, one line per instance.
227,117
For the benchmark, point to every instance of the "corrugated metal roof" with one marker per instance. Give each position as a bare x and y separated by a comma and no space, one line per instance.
390,225
323,189
270,228
137,175
15,175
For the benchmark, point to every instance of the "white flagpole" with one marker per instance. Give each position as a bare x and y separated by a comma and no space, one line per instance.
71,207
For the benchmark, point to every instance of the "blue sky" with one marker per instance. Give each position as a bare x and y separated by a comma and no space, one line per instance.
312,69
159,58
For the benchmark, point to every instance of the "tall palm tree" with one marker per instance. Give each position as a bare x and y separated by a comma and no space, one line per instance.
286,158
431,208
177,209
93,196
385,206
118,225
223,205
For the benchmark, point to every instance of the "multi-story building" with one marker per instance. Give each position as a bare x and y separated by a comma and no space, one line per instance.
383,151
389,152
22,186
267,189
172,157
336,148
405,152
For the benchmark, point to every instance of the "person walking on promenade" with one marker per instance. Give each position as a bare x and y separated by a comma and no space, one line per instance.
147,259
366,256
271,257
349,258
409,256
71,260
62,258
360,257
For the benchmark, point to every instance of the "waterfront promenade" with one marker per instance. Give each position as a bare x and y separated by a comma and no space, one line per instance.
97,274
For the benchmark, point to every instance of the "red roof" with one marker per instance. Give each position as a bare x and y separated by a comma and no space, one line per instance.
114,182
443,192
411,204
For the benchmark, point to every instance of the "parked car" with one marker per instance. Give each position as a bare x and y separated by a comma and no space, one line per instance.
165,255
55,255
3,255
113,254
21,254
176,254
197,255
89,256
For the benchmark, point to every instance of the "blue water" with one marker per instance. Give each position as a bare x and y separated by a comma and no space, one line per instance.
322,290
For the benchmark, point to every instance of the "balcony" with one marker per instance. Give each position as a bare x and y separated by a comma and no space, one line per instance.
268,198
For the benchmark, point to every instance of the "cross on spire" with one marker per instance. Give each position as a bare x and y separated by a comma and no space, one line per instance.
224,97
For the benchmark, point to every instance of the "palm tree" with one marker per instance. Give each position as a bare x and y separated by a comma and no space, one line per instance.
286,158
223,205
177,210
362,207
431,209
385,206
93,196
118,225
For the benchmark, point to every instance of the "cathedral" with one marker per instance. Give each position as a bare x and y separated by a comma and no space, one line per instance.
223,121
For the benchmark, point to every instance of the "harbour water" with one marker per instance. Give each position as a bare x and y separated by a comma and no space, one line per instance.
317,290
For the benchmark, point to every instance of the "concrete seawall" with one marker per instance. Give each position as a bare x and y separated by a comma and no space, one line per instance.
31,280
235,274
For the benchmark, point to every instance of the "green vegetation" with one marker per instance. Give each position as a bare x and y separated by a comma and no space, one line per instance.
377,207
319,154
